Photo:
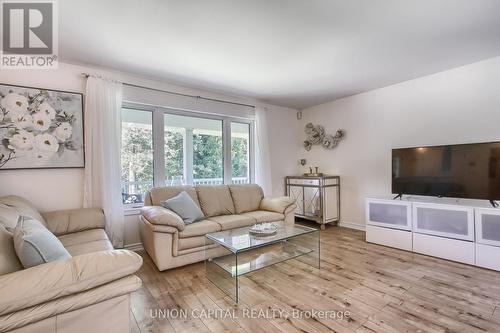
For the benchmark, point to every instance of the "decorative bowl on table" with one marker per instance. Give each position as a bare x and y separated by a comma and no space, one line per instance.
263,229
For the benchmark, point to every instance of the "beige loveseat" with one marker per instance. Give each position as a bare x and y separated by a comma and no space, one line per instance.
171,243
89,292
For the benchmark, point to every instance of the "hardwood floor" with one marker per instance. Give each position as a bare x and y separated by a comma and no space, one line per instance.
384,290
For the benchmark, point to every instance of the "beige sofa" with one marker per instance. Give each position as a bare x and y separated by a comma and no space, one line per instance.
171,243
88,293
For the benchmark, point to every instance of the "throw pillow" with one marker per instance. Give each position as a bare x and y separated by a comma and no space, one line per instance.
35,244
184,206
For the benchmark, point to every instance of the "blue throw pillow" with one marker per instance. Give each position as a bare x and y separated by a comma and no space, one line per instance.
35,245
184,206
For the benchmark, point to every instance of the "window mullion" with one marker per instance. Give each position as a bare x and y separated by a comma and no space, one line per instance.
251,152
226,146
158,148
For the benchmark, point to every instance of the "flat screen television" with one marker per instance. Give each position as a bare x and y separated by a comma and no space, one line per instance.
458,171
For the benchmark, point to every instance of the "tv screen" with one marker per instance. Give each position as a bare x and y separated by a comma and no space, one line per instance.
458,171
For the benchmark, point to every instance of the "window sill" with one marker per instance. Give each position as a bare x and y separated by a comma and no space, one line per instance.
132,210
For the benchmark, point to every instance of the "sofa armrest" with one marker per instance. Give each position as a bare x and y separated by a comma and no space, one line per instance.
39,284
158,215
164,229
63,222
277,205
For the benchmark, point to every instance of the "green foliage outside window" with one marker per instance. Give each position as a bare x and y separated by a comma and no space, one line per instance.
137,156
207,156
173,154
239,148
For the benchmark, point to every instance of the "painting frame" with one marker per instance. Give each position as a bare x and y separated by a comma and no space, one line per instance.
79,134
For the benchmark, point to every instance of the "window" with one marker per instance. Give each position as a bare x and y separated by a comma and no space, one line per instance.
137,155
193,150
240,153
163,147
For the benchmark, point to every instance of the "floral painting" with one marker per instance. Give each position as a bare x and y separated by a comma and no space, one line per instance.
40,128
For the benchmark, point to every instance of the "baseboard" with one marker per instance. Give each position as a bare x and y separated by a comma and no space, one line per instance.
134,247
351,225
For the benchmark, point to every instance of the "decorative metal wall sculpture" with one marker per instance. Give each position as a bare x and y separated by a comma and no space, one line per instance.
316,136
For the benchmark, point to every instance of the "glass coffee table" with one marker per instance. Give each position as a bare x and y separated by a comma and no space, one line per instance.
241,253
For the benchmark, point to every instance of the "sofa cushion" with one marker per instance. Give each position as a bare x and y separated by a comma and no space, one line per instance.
82,237
8,259
233,221
215,200
246,197
9,217
90,247
86,242
23,207
199,229
36,245
184,206
265,216
159,194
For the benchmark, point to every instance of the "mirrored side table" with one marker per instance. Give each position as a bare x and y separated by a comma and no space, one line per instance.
318,198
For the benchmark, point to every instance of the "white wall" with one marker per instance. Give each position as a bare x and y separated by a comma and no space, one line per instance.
63,188
456,106
283,129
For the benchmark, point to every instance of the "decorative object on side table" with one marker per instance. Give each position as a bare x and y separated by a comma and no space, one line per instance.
313,174
40,128
316,136
263,229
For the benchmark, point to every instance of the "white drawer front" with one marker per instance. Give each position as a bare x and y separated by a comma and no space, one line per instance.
487,256
446,248
390,214
400,239
441,220
488,227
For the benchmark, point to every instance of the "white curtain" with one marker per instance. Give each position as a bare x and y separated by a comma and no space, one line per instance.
262,155
102,184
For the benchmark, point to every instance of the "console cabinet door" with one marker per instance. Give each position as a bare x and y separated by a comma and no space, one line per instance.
297,192
393,214
312,202
488,226
444,220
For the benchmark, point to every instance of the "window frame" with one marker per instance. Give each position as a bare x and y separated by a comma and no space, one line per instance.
142,108
251,148
158,119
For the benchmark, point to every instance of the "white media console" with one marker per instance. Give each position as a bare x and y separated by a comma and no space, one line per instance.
462,230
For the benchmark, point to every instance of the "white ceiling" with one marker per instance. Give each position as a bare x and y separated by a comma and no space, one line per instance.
294,53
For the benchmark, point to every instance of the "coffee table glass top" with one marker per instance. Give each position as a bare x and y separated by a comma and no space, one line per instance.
238,240
236,252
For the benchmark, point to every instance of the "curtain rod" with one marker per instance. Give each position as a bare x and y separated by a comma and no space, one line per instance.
86,75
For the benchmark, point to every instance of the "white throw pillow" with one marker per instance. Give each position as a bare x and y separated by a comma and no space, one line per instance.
36,245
